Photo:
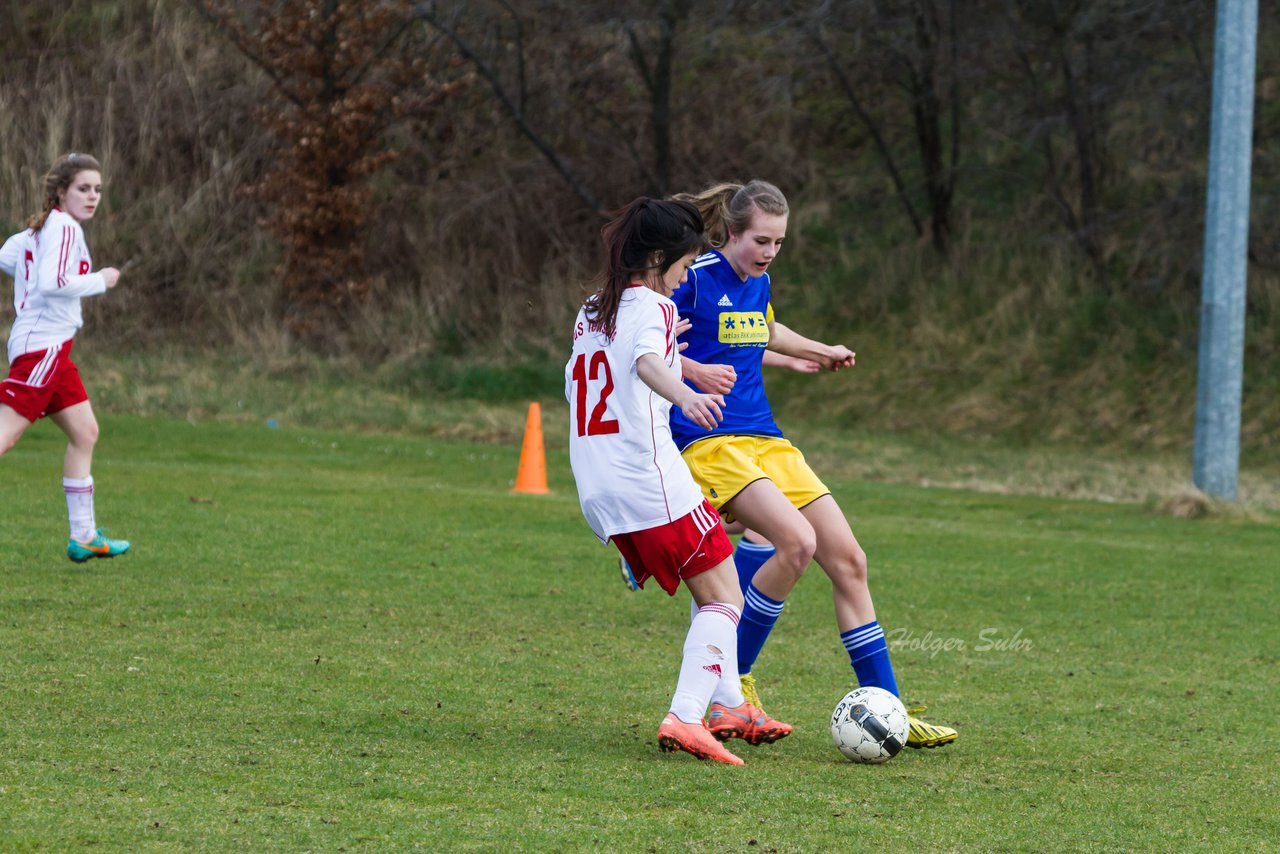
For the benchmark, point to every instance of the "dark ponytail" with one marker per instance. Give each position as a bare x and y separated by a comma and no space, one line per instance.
672,229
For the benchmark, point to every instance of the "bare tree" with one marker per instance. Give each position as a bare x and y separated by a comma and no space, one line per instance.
342,81
1057,52
1102,80
657,82
498,43
511,89
914,46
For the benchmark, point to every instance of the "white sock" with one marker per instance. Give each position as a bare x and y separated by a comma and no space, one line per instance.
710,659
79,492
728,692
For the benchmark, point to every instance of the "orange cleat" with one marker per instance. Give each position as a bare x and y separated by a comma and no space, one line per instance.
674,734
746,722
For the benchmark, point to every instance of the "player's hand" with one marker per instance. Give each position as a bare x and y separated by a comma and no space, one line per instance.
716,379
702,409
710,379
111,275
683,325
839,357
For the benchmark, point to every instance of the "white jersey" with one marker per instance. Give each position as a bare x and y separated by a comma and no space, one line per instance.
629,473
50,270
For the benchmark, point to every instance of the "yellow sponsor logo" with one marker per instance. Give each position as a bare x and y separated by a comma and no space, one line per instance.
743,327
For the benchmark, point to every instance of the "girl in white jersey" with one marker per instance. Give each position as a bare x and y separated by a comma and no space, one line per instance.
621,381
52,271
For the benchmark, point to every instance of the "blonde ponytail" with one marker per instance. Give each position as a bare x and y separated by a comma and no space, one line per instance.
729,208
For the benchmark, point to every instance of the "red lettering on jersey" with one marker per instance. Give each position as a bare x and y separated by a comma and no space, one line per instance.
593,326
84,268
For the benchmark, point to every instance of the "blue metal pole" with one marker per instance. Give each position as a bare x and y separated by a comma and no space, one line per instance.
1216,463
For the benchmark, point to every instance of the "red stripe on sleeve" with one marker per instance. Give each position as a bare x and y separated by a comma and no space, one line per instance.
64,255
668,317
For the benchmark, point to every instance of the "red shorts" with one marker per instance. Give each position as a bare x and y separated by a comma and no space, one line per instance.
42,383
681,549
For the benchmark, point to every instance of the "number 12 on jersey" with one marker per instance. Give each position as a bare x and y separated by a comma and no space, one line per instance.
598,425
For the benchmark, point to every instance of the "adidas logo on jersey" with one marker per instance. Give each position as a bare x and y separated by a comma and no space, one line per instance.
724,302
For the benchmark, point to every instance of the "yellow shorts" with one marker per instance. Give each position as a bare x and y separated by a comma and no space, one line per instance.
725,465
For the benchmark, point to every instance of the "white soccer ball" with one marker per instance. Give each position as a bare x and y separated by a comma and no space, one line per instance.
870,725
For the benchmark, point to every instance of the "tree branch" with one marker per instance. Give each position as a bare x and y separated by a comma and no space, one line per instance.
235,33
877,138
426,13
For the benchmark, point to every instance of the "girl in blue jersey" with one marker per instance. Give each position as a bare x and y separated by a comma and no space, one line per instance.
746,469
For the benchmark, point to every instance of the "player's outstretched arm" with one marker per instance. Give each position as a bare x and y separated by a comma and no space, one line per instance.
791,363
701,409
833,357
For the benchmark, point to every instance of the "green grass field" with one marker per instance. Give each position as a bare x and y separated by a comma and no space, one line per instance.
345,641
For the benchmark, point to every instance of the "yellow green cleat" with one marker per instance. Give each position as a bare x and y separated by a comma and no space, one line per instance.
749,691
921,734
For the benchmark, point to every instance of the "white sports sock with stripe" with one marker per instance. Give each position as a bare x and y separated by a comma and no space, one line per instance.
79,491
710,662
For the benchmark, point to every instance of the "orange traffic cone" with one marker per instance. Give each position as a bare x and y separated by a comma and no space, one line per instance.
531,477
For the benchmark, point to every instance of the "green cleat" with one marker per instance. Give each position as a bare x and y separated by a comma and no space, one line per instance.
923,734
100,546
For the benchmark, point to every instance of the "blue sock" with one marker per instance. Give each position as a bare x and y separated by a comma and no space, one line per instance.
748,558
869,655
759,613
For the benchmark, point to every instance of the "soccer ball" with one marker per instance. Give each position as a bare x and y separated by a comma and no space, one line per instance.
869,725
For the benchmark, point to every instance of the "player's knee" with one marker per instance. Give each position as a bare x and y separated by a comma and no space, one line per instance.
796,553
858,565
8,438
809,547
85,435
848,569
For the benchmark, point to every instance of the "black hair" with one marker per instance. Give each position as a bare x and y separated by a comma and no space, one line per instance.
670,229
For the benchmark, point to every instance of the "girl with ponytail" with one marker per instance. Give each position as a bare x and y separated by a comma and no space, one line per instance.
52,271
747,470
621,381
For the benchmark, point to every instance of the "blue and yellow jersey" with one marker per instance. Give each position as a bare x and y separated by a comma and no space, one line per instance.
730,327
